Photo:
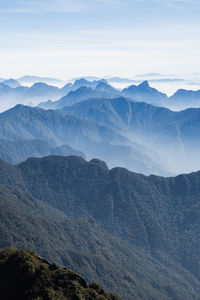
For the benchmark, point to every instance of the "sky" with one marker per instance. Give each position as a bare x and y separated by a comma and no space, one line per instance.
65,39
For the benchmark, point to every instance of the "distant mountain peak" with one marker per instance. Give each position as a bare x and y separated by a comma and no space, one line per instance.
18,106
40,83
103,83
3,85
144,84
81,81
12,83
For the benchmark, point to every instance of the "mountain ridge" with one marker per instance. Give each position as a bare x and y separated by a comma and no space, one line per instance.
131,210
59,128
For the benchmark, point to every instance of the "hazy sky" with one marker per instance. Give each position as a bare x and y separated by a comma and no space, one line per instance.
65,39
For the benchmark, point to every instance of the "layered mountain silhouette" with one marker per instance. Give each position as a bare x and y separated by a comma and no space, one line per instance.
136,135
60,128
83,90
12,93
143,92
17,151
12,83
80,91
162,139
183,99
67,190
174,135
43,90
136,235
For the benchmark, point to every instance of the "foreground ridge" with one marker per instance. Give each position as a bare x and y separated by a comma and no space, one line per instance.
25,275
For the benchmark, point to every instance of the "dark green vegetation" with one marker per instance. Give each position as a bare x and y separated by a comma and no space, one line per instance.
26,276
136,235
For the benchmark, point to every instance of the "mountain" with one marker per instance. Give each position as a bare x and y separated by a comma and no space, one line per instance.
82,90
84,82
12,83
12,93
59,128
107,88
144,93
174,135
72,97
24,122
10,96
113,113
4,88
89,78
25,275
15,152
183,99
139,209
81,82
42,90
50,96
136,235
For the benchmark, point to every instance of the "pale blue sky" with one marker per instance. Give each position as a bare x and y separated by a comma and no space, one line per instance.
99,37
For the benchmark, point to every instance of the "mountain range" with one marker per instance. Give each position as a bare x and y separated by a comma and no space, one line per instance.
82,90
143,92
136,235
98,89
13,92
174,135
11,83
136,135
17,151
60,128
66,193
183,99
117,130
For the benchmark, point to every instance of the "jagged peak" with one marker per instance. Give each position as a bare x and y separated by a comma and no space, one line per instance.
144,84
81,81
